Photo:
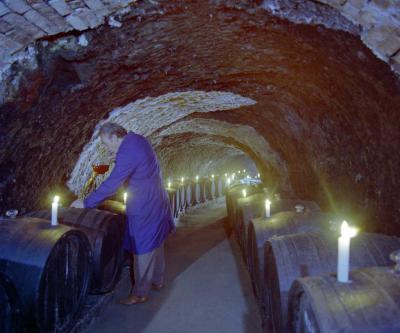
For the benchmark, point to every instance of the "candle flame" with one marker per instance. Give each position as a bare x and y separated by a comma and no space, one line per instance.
182,179
212,176
244,193
125,197
197,178
347,231
169,184
267,202
56,199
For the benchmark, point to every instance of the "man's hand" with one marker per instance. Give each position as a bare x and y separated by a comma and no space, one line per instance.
78,204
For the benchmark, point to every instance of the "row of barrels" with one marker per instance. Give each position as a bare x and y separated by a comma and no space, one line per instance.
292,259
183,195
47,272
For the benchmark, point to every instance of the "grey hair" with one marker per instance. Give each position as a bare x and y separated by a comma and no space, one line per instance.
110,129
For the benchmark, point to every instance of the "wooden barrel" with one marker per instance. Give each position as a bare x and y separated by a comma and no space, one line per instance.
207,189
50,269
220,186
252,206
283,223
113,206
290,257
10,307
290,204
232,194
214,189
190,194
178,199
173,201
199,193
369,304
105,233
183,204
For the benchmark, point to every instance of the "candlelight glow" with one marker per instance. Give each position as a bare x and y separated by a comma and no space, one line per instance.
239,171
226,175
347,231
197,178
258,175
182,179
244,170
212,176
56,199
267,208
244,193
125,197
169,184
229,181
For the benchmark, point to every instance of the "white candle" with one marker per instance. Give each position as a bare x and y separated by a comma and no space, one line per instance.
54,211
244,193
267,208
126,197
344,252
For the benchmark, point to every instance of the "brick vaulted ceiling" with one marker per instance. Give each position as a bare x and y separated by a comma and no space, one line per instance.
323,124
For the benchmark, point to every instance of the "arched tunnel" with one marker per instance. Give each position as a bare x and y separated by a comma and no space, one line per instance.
306,93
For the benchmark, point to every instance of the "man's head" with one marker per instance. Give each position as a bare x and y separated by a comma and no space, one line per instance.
111,136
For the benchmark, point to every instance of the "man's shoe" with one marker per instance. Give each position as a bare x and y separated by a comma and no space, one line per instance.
156,286
132,299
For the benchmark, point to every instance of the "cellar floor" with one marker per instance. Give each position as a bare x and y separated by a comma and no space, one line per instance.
207,285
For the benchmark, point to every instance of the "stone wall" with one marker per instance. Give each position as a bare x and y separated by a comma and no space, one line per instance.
380,23
325,104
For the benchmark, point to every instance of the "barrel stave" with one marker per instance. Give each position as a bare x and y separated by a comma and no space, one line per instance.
312,254
370,303
35,255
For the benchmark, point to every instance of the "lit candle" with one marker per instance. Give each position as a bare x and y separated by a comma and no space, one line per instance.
229,181
344,252
258,175
182,179
54,211
197,178
212,176
244,170
125,197
267,208
239,171
244,193
169,184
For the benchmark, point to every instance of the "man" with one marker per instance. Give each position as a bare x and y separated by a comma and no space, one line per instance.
148,210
